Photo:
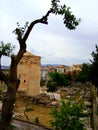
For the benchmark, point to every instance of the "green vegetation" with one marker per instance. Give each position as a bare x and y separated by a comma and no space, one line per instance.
29,107
94,68
84,75
12,127
67,117
5,50
36,120
89,72
69,19
51,86
56,80
22,34
42,82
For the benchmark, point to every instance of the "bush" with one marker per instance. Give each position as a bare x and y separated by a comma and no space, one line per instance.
37,120
67,117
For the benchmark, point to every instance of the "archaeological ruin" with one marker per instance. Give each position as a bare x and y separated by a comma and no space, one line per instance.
28,71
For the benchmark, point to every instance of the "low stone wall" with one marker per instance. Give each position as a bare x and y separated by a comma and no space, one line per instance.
24,125
95,107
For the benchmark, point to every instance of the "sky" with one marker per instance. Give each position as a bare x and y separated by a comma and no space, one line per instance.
53,42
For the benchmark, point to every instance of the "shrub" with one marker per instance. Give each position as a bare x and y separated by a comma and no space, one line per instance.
67,117
37,120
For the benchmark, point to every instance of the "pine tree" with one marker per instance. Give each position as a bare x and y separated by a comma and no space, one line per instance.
94,67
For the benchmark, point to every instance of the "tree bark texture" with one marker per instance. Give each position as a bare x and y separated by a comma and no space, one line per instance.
11,80
12,86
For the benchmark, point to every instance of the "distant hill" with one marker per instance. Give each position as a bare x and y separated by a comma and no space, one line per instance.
49,64
7,67
4,67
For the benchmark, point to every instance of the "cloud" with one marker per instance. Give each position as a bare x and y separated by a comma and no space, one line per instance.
53,42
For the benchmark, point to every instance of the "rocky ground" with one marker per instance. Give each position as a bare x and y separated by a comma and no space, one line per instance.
82,93
30,108
43,103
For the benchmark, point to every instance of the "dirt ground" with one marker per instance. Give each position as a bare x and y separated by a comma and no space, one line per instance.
32,112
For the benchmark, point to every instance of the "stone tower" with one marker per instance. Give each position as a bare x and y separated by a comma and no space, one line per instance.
28,71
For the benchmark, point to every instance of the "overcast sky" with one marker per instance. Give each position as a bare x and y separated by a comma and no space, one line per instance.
53,42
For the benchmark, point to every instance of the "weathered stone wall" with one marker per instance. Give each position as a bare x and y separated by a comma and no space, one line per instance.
28,71
23,125
95,107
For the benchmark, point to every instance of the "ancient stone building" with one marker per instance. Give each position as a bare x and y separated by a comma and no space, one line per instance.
28,71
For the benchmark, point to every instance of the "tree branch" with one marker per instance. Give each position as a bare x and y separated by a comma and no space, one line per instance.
43,20
22,50
22,41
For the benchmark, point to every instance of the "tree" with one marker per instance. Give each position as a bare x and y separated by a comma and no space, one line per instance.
42,82
5,50
22,34
67,117
59,78
83,75
56,81
51,86
94,68
68,76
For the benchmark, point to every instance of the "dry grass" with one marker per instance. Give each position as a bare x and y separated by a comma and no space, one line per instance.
40,112
34,111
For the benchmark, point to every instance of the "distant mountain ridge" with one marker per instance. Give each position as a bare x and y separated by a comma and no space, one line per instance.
5,67
49,65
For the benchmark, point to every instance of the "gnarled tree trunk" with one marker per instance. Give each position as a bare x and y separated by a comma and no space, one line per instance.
12,86
11,80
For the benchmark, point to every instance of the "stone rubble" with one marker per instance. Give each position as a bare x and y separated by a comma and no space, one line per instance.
77,93
74,94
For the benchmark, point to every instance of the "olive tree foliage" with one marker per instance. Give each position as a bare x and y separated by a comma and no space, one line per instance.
69,19
5,50
22,34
